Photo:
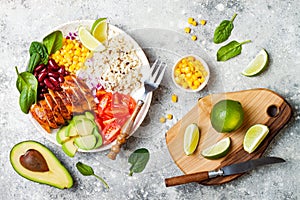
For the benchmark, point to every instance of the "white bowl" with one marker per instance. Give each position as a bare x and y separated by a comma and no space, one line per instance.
202,84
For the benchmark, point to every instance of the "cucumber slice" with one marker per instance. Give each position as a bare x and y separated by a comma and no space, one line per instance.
86,142
90,116
61,135
69,147
84,127
98,137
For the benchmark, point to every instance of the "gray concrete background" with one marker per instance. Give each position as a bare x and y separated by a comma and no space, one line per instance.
158,28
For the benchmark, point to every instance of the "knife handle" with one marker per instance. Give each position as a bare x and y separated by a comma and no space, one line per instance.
125,131
178,180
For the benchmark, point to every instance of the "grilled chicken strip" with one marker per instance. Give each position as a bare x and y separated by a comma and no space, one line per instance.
63,109
55,109
38,113
49,114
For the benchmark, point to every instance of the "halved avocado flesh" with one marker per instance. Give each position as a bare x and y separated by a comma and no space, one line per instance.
55,174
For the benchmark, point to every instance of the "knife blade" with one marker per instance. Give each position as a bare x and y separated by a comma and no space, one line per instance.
236,168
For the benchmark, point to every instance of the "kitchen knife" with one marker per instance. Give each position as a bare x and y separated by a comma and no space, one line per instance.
224,171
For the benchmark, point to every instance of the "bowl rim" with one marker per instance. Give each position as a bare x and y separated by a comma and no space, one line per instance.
204,65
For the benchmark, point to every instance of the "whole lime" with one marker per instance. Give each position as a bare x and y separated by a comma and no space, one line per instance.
227,116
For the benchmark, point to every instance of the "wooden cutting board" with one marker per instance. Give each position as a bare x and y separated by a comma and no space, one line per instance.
260,106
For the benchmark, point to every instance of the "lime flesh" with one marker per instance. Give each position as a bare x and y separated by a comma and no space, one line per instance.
257,65
227,116
218,150
254,136
89,41
99,30
191,139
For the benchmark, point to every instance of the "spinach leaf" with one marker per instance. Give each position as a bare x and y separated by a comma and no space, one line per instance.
88,171
37,47
35,59
53,41
230,50
27,98
138,160
223,31
27,85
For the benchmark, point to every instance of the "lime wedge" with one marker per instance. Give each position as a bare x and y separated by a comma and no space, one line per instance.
191,139
257,65
218,150
254,136
99,30
89,41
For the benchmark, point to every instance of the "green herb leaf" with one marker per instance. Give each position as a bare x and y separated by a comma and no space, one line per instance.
88,171
138,160
223,31
230,50
35,59
27,98
53,41
37,47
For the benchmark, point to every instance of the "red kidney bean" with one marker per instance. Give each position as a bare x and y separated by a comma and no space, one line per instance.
35,74
54,74
44,70
62,70
54,82
44,90
41,84
49,84
53,65
61,79
66,73
39,68
57,88
41,96
42,76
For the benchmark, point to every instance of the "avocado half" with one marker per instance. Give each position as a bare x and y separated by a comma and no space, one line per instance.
36,162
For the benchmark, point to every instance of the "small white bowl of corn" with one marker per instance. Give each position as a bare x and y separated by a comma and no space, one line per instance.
190,73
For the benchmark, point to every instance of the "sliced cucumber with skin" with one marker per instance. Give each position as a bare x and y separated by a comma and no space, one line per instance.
89,115
86,142
69,147
61,135
98,137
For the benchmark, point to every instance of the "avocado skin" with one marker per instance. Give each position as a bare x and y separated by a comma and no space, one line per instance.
57,176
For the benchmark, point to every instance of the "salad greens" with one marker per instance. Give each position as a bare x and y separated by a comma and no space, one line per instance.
230,50
223,31
138,160
86,170
53,41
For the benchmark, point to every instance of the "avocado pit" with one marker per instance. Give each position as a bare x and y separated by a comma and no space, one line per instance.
34,161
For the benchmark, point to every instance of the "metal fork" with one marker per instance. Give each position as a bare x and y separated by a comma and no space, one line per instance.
156,74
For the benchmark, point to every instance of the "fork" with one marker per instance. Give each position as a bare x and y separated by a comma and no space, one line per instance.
156,74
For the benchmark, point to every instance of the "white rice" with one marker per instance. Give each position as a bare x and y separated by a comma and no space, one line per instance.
117,68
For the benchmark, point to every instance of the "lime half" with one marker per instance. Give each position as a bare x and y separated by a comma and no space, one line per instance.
257,65
89,41
99,30
218,150
191,139
254,136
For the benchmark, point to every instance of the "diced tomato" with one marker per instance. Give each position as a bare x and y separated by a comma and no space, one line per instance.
111,132
113,110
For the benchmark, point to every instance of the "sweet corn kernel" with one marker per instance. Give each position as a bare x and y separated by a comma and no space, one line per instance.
202,22
194,23
190,20
162,120
194,37
169,116
174,98
187,30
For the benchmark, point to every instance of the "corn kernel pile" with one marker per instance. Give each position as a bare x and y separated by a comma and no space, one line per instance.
72,55
190,73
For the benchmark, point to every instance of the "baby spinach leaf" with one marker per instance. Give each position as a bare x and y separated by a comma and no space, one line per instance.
53,41
230,50
86,170
27,98
138,160
25,79
34,60
223,31
37,47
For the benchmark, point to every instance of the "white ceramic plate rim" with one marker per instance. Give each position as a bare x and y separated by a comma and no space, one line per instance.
145,64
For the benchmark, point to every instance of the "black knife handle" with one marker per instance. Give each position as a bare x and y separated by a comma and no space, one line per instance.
178,180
